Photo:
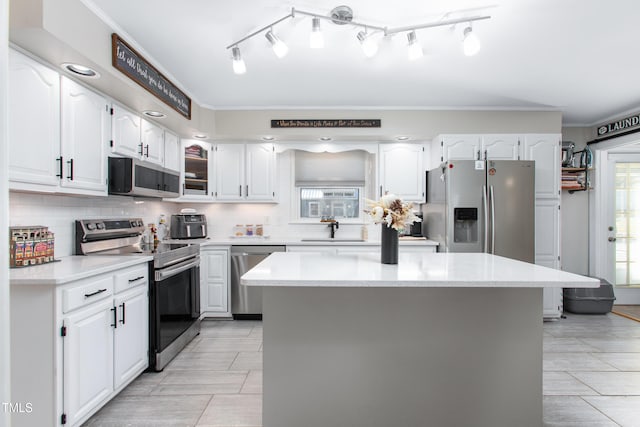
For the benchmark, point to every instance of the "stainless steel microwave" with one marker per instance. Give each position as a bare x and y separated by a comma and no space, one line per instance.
133,177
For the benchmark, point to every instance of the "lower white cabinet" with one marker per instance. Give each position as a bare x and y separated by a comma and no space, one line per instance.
75,346
214,282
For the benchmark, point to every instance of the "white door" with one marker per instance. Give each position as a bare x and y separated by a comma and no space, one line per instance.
86,132
153,142
460,147
88,359
131,337
545,150
261,172
34,97
214,282
501,147
229,170
402,172
171,151
126,133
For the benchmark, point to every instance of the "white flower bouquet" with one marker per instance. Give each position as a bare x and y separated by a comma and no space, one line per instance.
392,211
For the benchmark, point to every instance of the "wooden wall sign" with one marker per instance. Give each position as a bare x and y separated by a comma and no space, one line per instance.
341,123
131,63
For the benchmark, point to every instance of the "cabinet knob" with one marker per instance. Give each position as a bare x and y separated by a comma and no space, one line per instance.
611,239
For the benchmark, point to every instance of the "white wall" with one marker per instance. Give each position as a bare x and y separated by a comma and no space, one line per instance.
59,213
5,367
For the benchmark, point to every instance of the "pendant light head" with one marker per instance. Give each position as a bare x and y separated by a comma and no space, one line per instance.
414,49
239,67
369,46
316,40
278,46
471,43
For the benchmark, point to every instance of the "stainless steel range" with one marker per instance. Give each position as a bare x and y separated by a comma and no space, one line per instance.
174,285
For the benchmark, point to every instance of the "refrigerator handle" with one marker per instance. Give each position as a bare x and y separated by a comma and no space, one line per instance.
493,220
486,219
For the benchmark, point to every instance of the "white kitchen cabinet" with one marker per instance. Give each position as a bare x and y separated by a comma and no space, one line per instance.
479,147
171,151
198,171
85,133
547,252
260,172
402,171
229,169
500,147
126,132
214,282
34,150
152,138
457,147
245,172
545,149
75,346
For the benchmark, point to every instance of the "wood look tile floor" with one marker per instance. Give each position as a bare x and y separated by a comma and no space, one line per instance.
591,378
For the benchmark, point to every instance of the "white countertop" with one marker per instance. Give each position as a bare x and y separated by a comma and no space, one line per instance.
412,270
71,268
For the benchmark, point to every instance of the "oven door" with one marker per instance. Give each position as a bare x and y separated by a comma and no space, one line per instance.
174,304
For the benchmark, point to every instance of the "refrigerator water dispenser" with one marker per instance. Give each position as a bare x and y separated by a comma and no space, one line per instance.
465,225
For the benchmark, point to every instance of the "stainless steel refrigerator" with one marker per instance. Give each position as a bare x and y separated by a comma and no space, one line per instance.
482,206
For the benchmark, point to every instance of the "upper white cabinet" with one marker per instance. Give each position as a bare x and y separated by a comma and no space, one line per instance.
402,171
85,133
260,172
545,149
136,137
479,147
245,172
152,138
34,151
171,151
229,169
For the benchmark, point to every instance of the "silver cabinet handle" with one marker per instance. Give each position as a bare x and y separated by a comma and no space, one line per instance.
612,239
240,191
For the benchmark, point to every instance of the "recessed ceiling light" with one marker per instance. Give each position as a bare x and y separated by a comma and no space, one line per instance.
325,138
155,114
402,138
268,138
200,136
80,70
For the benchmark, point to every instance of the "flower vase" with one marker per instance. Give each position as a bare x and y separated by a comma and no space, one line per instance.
388,245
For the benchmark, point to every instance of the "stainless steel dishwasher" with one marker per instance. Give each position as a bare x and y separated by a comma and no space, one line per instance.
246,301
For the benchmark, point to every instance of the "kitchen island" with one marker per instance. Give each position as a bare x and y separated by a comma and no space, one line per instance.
440,339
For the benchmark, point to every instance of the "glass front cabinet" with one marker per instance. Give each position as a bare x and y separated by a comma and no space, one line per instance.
198,179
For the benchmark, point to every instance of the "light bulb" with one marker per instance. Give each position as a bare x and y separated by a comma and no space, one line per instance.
369,46
414,50
239,66
316,40
471,43
278,46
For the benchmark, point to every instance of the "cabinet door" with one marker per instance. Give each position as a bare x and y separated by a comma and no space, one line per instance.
131,337
198,180
545,150
547,232
402,172
261,172
171,151
126,133
460,147
85,135
152,138
552,304
229,161
214,282
33,122
500,147
87,359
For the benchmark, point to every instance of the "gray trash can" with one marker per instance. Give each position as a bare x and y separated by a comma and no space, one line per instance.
589,300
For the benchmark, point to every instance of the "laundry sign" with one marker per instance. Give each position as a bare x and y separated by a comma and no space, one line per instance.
631,123
138,69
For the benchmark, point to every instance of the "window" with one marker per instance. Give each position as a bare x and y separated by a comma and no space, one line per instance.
323,202
627,224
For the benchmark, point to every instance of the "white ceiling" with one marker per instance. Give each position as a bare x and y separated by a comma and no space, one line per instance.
579,57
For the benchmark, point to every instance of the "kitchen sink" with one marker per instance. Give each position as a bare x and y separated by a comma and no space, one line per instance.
328,239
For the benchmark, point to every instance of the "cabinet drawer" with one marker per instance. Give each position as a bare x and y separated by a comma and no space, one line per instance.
131,277
87,292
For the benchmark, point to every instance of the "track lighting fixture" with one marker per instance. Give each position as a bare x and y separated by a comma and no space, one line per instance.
239,66
343,15
471,43
316,40
278,46
414,50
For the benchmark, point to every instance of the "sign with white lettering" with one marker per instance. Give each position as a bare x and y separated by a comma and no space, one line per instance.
131,63
626,124
325,123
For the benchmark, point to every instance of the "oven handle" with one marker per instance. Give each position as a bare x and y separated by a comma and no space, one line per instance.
165,273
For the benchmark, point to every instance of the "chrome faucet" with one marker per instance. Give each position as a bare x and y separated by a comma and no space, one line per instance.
333,225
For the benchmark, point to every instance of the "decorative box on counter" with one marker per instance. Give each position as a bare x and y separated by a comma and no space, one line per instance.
30,245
